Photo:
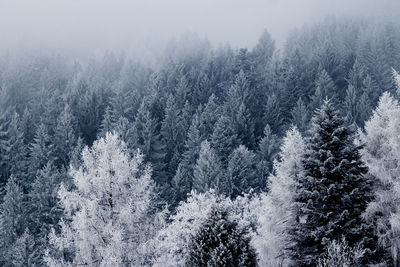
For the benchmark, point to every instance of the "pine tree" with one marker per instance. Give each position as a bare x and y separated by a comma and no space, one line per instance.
12,219
108,211
107,124
183,179
334,191
44,210
273,114
207,171
209,117
220,241
64,137
146,137
324,88
242,172
268,147
17,150
351,108
172,135
23,251
41,151
300,116
224,138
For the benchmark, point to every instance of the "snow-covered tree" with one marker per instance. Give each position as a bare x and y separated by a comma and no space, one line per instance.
220,241
64,137
242,172
12,219
207,172
272,237
381,153
333,192
108,214
171,244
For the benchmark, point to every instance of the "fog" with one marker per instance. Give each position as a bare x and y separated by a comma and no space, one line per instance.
88,26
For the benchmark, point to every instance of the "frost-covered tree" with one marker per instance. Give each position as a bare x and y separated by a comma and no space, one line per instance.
23,251
220,241
267,149
242,172
12,219
224,138
381,153
300,116
184,177
272,238
64,137
108,212
339,253
41,151
107,123
208,172
171,244
44,211
333,192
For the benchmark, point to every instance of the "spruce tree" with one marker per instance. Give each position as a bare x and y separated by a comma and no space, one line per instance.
242,172
41,151
64,138
183,179
107,124
224,138
300,116
12,219
207,171
268,148
220,241
334,191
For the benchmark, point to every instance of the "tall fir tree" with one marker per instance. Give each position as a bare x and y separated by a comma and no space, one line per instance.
207,172
242,172
183,179
64,137
300,116
220,241
268,148
12,219
334,191
224,138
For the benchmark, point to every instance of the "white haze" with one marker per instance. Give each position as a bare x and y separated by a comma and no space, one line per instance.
90,26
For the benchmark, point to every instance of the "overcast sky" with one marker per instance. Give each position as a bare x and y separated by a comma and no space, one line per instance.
90,25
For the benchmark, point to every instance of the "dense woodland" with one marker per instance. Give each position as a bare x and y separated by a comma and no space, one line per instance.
208,157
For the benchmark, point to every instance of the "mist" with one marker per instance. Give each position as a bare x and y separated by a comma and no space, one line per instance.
90,26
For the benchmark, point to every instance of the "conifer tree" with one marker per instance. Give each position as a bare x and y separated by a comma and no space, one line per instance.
207,171
300,116
334,191
12,219
23,251
17,150
107,124
242,172
183,179
324,88
44,209
273,235
64,137
220,241
209,117
224,138
41,151
268,147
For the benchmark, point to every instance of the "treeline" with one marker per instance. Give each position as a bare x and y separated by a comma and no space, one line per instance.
205,120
